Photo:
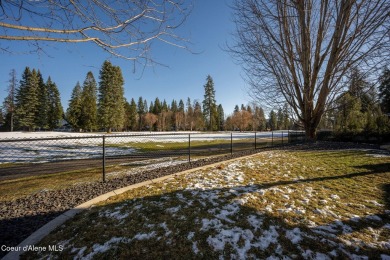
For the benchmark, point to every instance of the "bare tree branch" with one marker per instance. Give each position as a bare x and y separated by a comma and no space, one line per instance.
299,51
123,28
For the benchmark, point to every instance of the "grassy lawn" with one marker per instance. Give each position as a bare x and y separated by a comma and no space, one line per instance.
21,187
311,205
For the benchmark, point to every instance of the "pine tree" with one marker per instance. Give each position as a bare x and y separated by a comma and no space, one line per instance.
133,115
73,113
88,115
279,119
189,118
54,110
272,120
27,99
157,106
141,110
259,121
43,104
220,118
111,97
199,124
286,117
209,104
9,102
384,91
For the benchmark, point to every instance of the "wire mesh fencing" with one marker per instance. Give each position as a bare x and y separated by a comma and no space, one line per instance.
112,154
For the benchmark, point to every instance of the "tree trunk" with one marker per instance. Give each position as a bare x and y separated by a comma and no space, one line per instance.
310,131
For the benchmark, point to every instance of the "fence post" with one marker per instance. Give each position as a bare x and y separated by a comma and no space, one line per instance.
272,138
104,158
282,137
189,148
255,141
231,143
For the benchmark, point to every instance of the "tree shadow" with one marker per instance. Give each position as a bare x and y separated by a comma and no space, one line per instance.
214,229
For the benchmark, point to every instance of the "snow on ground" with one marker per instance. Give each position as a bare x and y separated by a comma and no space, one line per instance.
68,145
224,193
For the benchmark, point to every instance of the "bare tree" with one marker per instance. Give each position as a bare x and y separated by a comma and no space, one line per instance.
300,51
125,29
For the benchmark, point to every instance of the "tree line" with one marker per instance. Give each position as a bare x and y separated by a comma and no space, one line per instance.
362,107
31,103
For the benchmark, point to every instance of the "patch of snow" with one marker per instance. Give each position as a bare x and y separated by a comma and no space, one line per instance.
232,237
115,215
145,236
269,237
255,221
375,203
195,247
334,197
173,210
208,224
190,235
98,248
374,218
295,235
166,229
385,257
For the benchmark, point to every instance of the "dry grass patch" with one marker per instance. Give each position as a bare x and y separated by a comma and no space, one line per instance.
278,203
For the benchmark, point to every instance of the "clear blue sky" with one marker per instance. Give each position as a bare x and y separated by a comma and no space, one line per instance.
209,27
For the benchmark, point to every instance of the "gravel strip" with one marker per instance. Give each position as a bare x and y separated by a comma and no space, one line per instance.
21,217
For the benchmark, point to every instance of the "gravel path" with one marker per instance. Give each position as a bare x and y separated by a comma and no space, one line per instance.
20,218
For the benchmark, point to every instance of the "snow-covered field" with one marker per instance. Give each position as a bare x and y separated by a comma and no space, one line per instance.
256,208
29,146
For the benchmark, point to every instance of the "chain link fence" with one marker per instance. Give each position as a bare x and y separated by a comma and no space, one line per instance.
114,153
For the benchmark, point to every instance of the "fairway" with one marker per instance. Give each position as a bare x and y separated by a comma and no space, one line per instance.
297,204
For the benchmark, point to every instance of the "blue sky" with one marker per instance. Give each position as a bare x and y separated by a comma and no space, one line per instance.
209,28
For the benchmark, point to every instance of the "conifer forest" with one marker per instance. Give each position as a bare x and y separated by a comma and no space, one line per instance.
34,104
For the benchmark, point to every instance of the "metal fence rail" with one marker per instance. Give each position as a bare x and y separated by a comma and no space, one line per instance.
23,157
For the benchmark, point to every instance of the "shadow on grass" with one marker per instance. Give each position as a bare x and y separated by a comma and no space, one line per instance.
233,237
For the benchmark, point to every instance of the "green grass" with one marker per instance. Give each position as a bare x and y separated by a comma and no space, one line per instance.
312,204
21,187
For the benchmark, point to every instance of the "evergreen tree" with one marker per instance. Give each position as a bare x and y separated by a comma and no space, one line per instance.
157,106
384,91
209,104
111,97
27,100
279,119
164,106
220,118
180,116
54,108
174,118
43,104
189,118
259,122
236,109
198,117
141,110
272,122
349,117
286,117
9,105
73,113
88,117
133,115
181,106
